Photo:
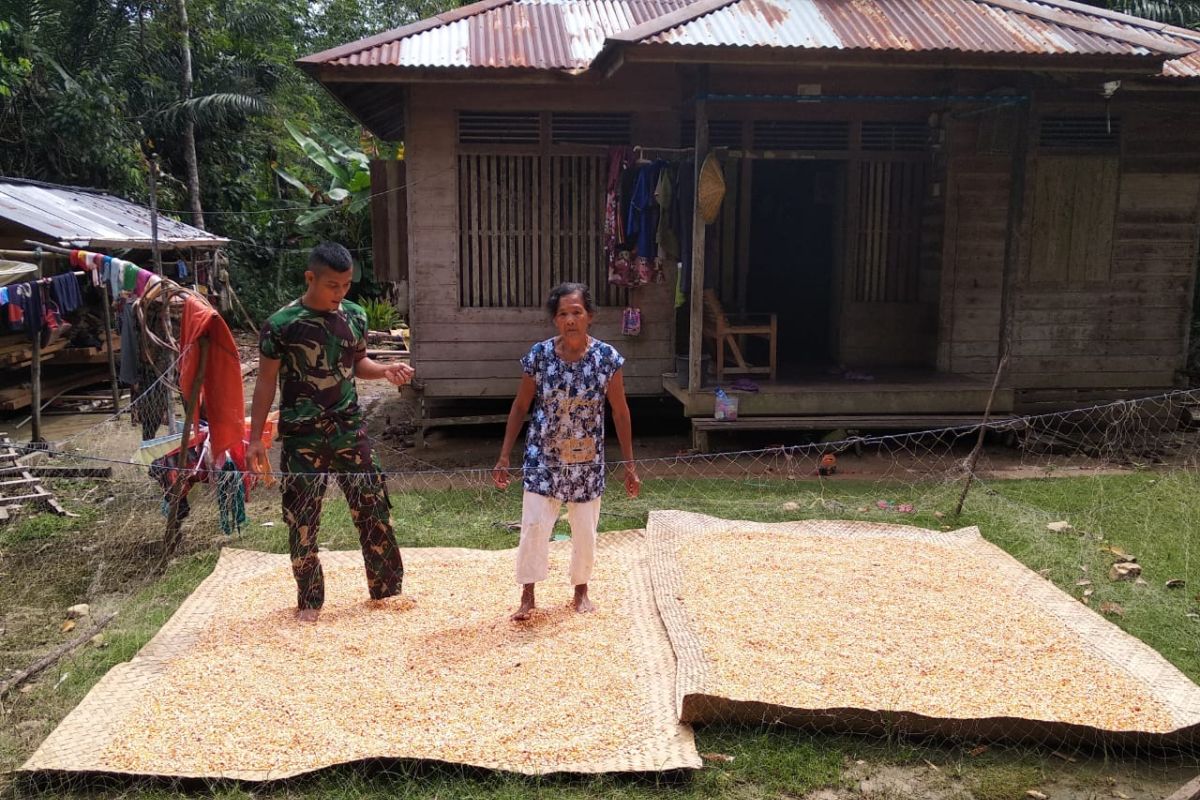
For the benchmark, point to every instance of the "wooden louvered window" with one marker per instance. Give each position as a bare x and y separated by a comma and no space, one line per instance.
886,237
531,204
1062,133
785,134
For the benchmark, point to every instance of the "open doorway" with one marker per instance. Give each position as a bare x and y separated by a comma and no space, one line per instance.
794,223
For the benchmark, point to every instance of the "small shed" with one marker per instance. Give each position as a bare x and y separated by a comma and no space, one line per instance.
71,216
914,188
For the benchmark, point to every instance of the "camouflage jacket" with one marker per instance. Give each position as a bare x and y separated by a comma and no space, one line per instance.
317,351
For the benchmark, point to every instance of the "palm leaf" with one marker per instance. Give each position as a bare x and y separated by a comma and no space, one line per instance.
213,109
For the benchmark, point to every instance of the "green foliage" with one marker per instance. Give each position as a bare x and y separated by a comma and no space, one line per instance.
85,85
1184,13
381,315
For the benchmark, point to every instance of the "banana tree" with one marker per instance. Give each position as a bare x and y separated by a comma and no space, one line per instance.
349,188
348,170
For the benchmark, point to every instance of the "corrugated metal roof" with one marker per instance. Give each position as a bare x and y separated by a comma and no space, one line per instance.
535,34
1186,67
903,25
87,218
569,34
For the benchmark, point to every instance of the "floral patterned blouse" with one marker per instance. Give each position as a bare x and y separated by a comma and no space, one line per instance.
564,446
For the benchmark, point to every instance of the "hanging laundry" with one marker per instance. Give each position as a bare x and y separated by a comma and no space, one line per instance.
231,498
181,270
29,311
222,389
145,279
616,256
116,274
66,292
664,195
129,276
642,226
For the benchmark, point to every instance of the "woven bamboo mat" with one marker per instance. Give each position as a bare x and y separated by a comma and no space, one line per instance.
862,626
233,687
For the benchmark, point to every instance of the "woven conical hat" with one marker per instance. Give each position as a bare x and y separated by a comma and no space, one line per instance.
711,190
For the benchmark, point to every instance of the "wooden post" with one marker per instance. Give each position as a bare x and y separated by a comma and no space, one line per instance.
696,296
190,414
106,301
35,366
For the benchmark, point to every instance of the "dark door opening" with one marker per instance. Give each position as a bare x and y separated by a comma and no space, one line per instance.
794,227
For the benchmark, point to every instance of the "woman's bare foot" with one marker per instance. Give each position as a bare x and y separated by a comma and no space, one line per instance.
527,605
581,603
308,614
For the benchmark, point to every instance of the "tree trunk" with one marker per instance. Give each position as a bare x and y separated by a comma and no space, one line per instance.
189,125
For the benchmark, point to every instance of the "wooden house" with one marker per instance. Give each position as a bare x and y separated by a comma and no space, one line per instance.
915,188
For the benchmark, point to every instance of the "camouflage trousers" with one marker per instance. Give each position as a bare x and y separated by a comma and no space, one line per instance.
329,446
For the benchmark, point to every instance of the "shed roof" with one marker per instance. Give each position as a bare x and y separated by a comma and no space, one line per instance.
569,35
90,218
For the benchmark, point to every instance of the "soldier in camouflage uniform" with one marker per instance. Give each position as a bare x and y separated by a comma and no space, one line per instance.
314,348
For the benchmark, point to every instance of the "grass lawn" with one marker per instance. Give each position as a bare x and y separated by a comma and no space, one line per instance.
1151,515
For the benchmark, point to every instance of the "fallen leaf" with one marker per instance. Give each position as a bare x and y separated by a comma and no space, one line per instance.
932,765
978,751
1083,582
1118,554
1112,609
1063,756
1088,592
268,524
68,625
1059,527
1036,795
721,757
1175,583
27,688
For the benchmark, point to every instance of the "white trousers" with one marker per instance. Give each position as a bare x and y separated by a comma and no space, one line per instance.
538,515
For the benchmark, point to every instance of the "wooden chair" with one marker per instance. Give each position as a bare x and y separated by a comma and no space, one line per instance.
725,333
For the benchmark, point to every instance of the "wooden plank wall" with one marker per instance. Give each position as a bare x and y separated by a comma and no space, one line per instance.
1111,311
976,216
1107,253
389,220
467,352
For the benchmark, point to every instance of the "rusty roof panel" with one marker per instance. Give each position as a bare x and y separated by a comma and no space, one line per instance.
1186,67
905,25
84,217
536,34
568,34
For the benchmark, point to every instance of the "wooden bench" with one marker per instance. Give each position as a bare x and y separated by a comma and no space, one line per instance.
703,426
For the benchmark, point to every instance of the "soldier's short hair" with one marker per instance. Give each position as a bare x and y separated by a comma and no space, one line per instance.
564,289
330,255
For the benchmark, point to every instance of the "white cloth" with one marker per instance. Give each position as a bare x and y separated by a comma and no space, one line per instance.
538,515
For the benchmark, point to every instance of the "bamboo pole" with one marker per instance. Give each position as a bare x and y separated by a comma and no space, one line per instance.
35,366
174,525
